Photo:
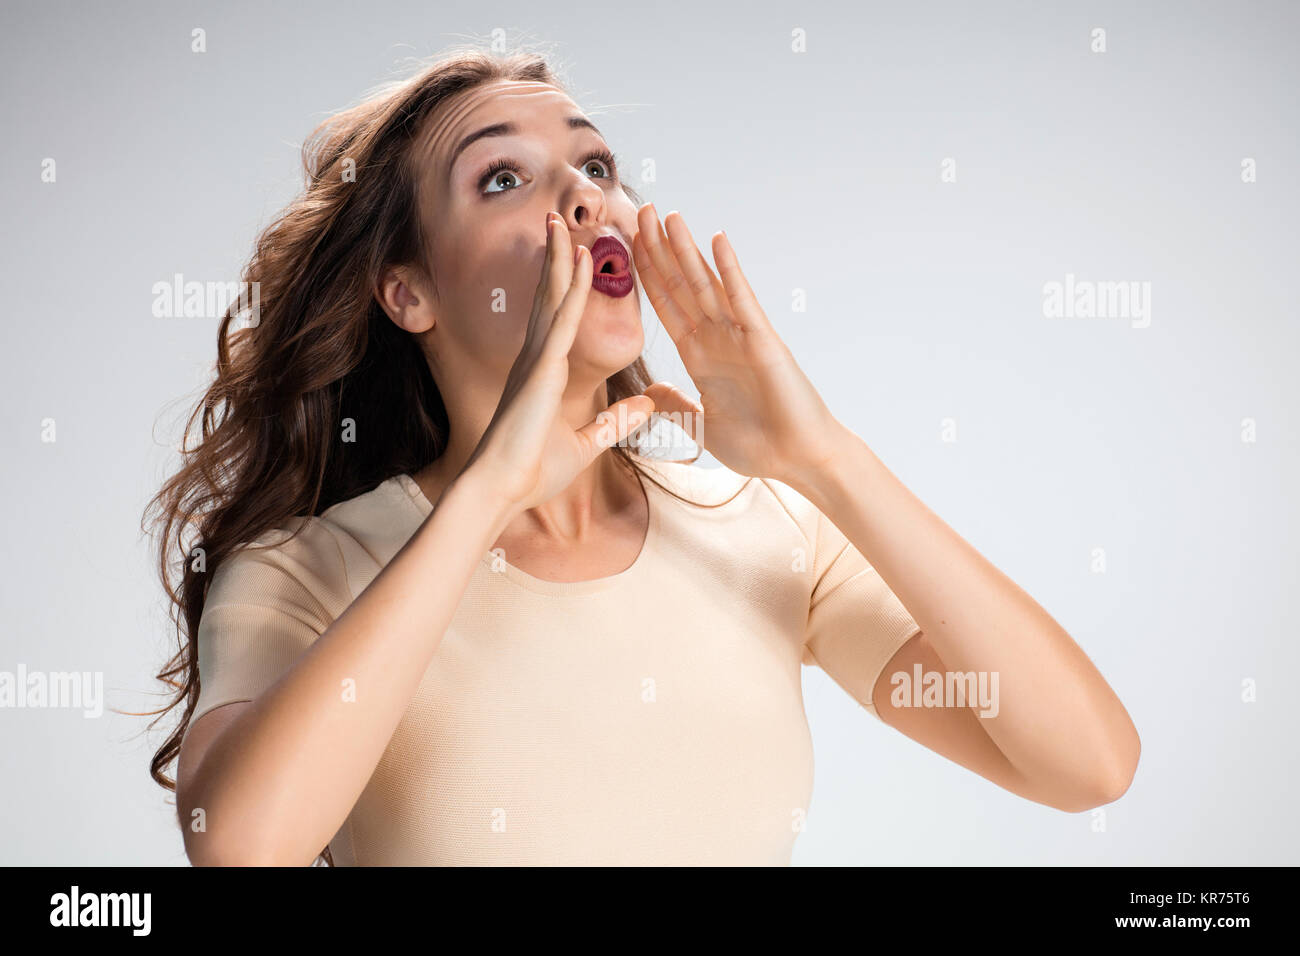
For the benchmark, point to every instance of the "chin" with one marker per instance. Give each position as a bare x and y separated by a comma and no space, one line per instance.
610,350
609,339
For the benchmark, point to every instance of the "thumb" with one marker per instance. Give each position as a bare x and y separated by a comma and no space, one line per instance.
614,424
678,407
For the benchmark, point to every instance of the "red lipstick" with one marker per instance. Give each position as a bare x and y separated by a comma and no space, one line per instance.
609,265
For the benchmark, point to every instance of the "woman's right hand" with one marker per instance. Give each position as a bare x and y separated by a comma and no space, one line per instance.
529,453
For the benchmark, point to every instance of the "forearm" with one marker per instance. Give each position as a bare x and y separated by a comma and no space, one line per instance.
1058,722
280,780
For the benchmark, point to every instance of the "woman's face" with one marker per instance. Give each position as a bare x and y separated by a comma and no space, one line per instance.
487,229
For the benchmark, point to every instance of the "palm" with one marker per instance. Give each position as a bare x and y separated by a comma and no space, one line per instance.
761,415
531,451
546,451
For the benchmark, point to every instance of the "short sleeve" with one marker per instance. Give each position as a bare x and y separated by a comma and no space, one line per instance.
855,622
265,607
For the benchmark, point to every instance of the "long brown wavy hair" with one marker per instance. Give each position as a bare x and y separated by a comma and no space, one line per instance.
321,351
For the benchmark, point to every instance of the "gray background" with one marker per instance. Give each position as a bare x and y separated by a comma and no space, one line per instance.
924,303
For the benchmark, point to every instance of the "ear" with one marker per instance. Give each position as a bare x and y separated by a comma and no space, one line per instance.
403,294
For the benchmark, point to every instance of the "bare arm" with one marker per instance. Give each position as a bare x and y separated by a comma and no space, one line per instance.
1062,736
276,777
279,779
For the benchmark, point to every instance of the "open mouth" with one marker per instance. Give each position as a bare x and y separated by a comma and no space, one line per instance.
608,256
610,273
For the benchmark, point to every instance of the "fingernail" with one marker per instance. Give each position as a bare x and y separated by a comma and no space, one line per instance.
577,254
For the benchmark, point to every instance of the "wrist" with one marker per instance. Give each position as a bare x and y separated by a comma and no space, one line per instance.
472,490
838,473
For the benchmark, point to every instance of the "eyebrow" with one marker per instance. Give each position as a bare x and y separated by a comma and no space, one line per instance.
510,129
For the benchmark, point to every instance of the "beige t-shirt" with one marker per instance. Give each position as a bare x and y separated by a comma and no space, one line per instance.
654,716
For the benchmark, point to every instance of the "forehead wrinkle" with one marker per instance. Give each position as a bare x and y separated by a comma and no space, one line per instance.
454,122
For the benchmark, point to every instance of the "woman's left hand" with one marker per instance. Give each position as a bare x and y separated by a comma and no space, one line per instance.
761,415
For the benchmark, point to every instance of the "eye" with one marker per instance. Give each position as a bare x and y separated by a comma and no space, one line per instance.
601,159
500,173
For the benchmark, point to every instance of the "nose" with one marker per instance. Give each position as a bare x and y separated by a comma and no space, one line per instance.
582,205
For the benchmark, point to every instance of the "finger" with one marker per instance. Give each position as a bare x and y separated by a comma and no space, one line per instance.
678,407
568,314
677,322
707,288
561,273
613,425
744,305
555,277
671,280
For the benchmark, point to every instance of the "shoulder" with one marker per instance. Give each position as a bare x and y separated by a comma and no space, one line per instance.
310,559
700,482
761,502
298,562
377,522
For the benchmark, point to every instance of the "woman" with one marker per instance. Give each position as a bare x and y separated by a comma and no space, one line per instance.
434,614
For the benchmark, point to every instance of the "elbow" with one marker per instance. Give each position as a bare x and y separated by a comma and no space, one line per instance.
208,843
206,846
1123,765
1119,783
1109,790
1113,779
209,852
210,849
217,846
208,857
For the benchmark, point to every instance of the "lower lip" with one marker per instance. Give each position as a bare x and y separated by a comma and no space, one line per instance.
612,285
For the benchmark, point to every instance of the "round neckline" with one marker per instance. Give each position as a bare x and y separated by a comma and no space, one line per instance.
522,578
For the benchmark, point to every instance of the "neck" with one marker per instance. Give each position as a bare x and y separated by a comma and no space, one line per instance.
595,494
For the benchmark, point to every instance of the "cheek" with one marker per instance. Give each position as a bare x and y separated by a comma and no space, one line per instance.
488,284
